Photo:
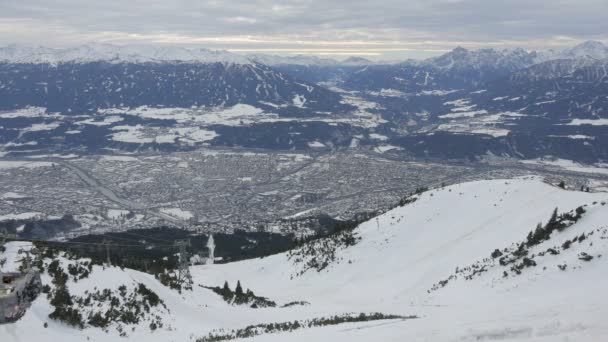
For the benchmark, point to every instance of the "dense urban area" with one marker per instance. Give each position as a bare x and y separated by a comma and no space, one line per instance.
223,190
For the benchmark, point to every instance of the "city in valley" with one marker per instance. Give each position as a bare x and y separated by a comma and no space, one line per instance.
221,190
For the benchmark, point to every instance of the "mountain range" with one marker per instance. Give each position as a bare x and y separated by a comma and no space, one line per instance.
523,104
17,53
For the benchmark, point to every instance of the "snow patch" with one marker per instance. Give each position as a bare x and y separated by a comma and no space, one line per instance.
178,213
316,144
21,216
5,165
592,122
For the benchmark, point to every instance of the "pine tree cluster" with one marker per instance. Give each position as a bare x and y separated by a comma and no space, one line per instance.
240,297
556,222
518,256
101,307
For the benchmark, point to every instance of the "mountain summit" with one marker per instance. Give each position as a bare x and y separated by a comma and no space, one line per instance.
589,49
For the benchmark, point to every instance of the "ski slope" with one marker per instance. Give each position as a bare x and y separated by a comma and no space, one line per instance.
405,251
392,269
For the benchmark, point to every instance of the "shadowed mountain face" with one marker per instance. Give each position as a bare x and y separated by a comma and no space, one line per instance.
86,87
457,69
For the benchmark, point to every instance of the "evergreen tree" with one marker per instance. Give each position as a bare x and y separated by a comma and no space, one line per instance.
562,184
239,290
553,218
226,287
579,212
536,236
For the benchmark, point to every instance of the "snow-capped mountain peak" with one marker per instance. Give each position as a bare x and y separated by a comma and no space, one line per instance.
460,57
589,49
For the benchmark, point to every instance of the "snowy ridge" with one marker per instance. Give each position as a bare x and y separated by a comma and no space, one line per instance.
117,54
587,50
274,60
459,57
511,59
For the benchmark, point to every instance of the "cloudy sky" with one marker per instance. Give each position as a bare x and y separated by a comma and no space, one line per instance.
381,29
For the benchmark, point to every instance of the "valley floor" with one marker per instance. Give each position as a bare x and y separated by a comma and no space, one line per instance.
223,190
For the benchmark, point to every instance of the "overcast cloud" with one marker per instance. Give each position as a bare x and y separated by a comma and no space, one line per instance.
377,29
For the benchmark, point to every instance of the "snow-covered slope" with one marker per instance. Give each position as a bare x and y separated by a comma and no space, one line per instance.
407,250
394,268
187,315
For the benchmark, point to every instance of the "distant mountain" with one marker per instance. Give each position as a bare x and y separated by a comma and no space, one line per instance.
93,97
505,102
91,77
558,108
484,59
586,50
309,61
589,49
303,60
462,104
559,91
457,69
312,68
356,61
